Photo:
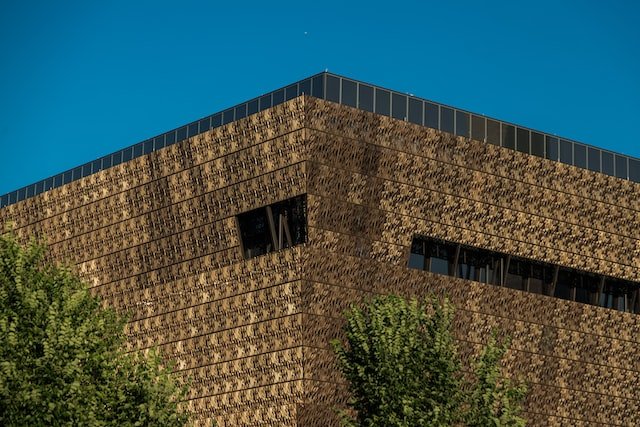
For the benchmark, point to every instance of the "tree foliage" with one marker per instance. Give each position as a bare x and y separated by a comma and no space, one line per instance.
61,354
403,369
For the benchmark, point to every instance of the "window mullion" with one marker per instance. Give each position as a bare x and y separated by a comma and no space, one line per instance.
272,227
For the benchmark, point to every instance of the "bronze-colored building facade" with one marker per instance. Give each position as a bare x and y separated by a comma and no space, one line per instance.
237,244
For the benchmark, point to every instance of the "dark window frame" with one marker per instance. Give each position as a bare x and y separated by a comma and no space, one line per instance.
274,227
525,274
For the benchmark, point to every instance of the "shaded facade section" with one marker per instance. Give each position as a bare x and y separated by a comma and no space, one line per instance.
478,201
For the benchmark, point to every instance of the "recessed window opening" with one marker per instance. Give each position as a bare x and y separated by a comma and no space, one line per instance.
495,268
272,228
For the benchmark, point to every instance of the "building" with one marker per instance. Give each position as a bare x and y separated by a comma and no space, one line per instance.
237,242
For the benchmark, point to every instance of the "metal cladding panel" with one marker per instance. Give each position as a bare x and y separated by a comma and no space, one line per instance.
156,237
374,183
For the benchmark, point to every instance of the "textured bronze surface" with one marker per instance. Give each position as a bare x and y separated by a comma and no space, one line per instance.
156,238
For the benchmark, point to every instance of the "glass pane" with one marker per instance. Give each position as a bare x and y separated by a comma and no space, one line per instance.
587,288
508,136
333,89
11,197
254,232
147,146
565,284
265,102
252,107
441,257
305,87
290,221
4,200
607,163
365,100
290,92
634,170
216,120
349,93
493,132
241,111
278,97
415,111
593,157
204,124
446,119
537,144
227,117
613,295
107,162
523,141
416,256
552,148
192,130
181,134
541,279
383,101
318,88
96,166
477,128
462,124
621,167
126,154
518,274
77,173
86,169
416,261
48,184
40,187
580,155
137,150
475,264
399,106
164,140
116,158
431,115
634,298
66,178
566,152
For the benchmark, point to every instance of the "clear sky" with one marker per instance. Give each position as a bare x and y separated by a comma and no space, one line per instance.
80,79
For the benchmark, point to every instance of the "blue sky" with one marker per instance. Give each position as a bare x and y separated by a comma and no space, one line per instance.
80,79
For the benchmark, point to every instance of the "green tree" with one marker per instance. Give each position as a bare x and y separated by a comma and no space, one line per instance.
61,354
403,369
493,400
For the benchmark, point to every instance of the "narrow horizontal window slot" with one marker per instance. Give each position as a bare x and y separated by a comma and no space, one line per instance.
495,268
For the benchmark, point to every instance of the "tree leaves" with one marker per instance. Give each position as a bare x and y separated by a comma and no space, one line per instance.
61,355
403,369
